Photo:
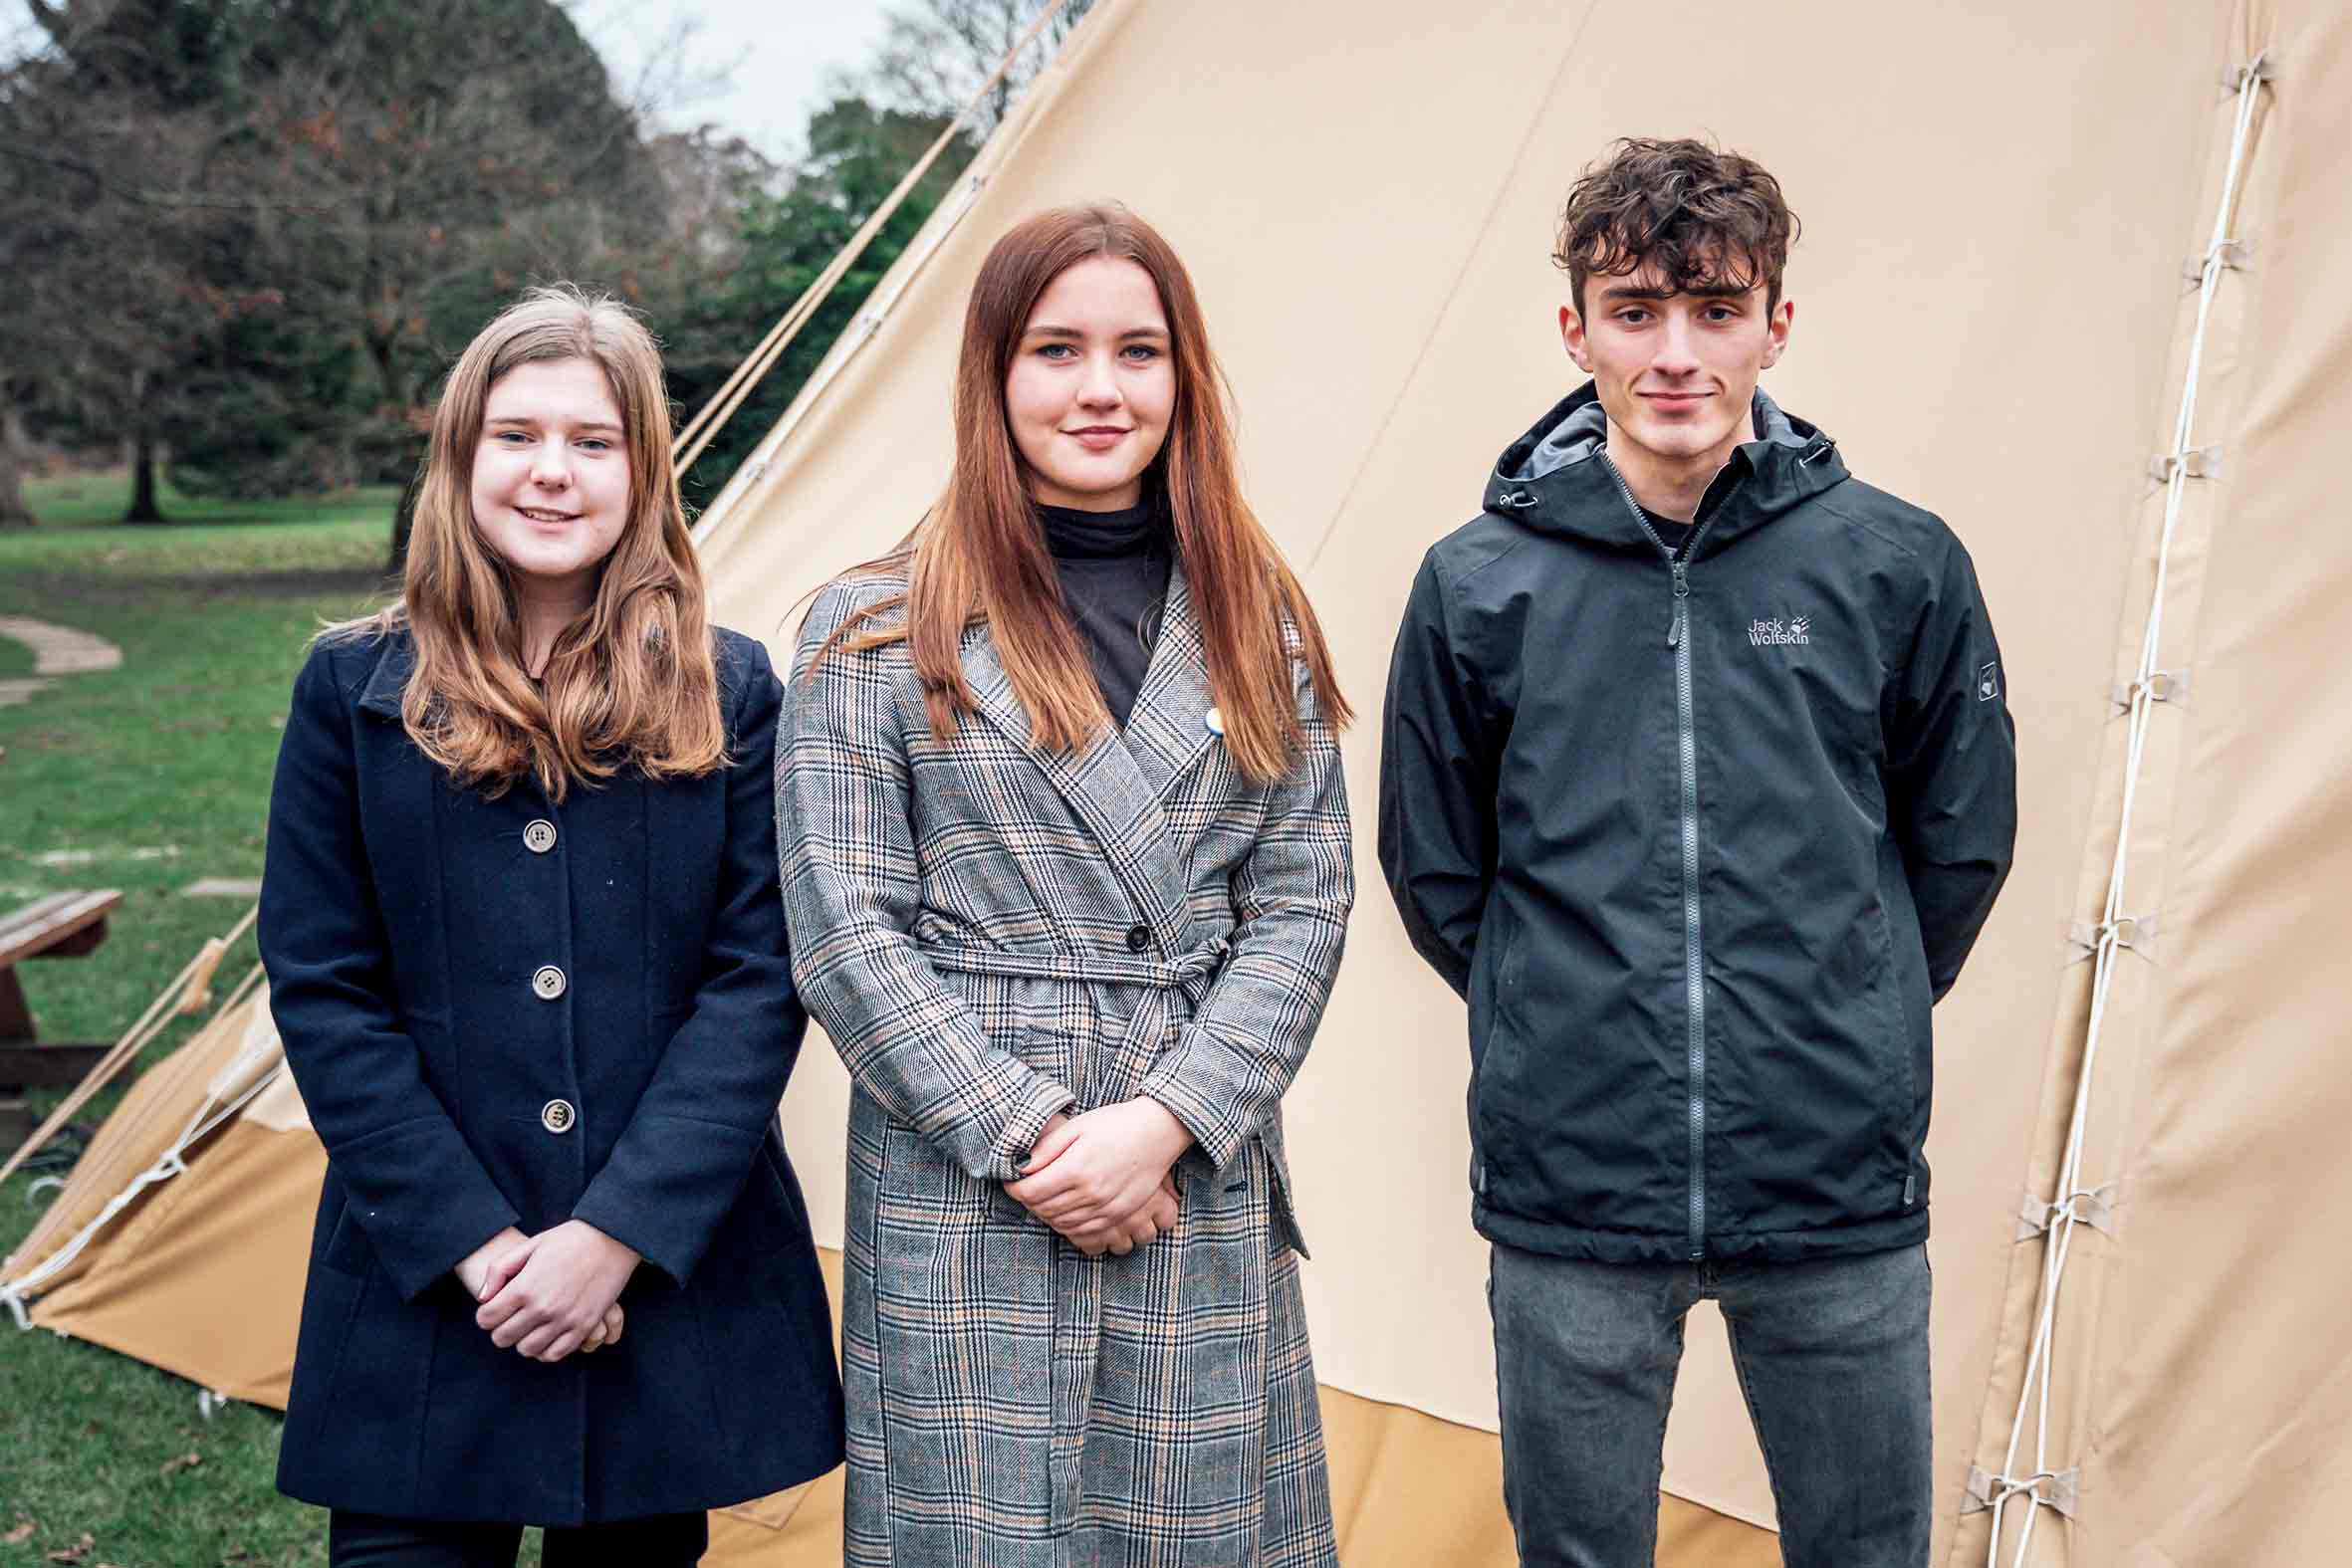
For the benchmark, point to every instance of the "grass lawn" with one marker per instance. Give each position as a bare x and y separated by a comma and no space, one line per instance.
145,778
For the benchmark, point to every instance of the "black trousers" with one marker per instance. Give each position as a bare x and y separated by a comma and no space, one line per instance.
367,1540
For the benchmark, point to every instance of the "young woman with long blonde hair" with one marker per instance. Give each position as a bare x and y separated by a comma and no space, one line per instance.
528,958
1065,846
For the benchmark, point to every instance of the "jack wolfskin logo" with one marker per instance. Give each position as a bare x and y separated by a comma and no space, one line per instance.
1777,633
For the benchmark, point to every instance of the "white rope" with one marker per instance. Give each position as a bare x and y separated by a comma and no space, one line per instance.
853,338
2033,1392
167,1165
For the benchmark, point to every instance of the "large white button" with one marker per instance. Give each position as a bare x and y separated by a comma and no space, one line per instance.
1214,722
548,983
557,1116
539,837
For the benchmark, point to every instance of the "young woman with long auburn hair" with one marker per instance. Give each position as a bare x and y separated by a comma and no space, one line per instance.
1064,839
527,955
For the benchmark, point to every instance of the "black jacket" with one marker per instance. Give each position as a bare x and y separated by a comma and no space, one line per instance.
447,971
1701,841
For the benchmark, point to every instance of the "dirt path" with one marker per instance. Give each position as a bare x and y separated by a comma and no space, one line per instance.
56,650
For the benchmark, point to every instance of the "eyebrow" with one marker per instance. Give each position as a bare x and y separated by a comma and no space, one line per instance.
1050,330
1703,291
601,425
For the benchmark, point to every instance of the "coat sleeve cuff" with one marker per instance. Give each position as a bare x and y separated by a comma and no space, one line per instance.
1044,1100
416,1262
462,1234
1216,1132
669,1223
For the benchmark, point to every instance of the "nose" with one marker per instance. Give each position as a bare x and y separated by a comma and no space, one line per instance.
1677,355
551,468
1099,389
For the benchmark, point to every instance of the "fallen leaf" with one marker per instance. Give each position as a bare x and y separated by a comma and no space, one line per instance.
23,1531
186,1462
75,1552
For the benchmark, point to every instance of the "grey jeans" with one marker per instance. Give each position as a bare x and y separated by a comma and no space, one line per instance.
1833,1356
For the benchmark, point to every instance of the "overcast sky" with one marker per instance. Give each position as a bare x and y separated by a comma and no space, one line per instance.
755,67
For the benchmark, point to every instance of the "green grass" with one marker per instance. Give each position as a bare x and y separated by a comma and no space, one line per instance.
144,779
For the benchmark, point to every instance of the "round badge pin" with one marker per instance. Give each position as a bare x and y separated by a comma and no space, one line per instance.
1213,722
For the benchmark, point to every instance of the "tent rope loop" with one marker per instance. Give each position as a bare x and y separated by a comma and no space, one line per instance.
2129,933
2091,1205
2156,686
2239,79
2197,462
2244,82
2228,255
2055,1490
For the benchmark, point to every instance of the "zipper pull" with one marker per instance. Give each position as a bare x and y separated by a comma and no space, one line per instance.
1682,597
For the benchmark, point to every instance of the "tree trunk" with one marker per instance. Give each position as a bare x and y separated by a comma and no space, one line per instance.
139,451
15,511
405,522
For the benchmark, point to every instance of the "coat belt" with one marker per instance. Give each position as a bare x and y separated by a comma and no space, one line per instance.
1189,974
1089,968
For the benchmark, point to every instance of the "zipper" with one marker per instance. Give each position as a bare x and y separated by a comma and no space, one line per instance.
1678,637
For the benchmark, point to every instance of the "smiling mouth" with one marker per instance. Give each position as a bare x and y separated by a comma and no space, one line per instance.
542,515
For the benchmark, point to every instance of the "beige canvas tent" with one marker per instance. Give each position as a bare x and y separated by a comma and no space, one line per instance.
2069,276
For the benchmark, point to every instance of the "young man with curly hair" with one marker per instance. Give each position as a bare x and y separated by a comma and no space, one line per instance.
1699,781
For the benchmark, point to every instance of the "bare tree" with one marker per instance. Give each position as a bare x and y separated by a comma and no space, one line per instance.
117,166
935,53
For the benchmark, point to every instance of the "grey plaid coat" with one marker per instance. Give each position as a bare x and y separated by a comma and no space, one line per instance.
992,934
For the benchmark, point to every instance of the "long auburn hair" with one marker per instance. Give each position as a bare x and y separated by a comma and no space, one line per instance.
980,554
632,681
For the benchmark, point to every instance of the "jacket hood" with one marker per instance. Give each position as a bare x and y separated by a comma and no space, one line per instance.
1549,479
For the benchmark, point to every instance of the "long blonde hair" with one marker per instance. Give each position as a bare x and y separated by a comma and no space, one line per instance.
632,681
980,554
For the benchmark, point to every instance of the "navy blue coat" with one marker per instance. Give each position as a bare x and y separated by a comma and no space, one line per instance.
505,1012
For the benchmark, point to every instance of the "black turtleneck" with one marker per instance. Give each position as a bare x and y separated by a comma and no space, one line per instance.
1113,567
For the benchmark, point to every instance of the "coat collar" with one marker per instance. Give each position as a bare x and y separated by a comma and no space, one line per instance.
395,661
1115,783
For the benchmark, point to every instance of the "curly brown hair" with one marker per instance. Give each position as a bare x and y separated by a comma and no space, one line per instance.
1704,217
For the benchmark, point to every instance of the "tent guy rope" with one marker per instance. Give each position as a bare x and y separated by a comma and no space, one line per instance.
2183,462
185,994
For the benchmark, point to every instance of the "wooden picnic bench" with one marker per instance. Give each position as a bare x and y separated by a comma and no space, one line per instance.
61,925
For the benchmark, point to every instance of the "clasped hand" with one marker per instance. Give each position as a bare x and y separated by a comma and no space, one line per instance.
1101,1179
549,1295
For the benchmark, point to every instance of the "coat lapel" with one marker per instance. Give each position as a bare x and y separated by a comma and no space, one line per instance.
1104,787
1168,731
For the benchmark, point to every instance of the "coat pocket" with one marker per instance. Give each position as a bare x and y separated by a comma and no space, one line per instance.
1496,1035
345,1250
963,1310
1903,1089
